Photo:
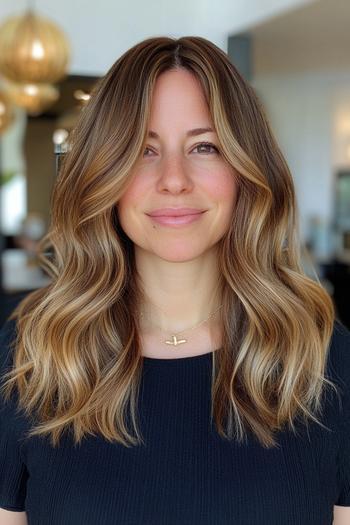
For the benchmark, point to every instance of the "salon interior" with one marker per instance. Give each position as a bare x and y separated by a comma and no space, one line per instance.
295,53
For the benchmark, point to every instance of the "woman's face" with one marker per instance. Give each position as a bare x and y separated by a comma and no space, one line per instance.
178,171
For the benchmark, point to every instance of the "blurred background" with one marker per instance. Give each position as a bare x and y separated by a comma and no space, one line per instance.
294,53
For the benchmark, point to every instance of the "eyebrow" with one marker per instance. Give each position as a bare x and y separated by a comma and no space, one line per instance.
190,133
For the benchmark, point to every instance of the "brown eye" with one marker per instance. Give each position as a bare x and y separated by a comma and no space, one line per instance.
207,145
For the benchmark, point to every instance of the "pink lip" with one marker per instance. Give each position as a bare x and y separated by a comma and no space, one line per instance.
174,212
178,220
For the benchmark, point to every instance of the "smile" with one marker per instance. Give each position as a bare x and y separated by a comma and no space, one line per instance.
177,221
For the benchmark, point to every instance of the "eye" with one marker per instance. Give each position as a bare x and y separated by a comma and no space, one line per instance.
145,150
206,145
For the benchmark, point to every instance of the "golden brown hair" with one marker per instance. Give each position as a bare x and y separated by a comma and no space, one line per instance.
77,360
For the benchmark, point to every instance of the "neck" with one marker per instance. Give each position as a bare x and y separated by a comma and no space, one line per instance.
178,296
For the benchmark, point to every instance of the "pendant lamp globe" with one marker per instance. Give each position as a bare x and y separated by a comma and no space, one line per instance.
33,50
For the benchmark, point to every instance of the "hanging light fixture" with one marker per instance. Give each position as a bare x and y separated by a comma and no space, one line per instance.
34,54
33,50
35,98
6,112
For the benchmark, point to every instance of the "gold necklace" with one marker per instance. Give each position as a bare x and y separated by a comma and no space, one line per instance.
175,341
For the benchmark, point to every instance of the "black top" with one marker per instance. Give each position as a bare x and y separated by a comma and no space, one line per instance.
186,474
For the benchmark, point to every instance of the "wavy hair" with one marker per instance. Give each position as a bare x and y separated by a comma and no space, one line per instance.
78,362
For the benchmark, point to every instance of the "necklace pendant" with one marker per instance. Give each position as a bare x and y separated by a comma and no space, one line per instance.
175,342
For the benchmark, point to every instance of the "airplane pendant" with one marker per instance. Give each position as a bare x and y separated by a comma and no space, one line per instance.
175,342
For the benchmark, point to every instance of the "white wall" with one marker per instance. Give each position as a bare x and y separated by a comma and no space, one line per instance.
341,122
310,116
13,200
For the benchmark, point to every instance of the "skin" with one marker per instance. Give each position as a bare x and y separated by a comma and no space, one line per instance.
178,266
341,515
9,517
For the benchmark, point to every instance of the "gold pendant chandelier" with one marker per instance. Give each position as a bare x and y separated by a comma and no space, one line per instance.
34,54
6,112
35,98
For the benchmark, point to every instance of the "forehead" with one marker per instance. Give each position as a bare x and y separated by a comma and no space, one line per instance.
179,97
190,133
178,81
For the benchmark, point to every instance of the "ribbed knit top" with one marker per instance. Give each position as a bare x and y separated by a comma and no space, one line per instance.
185,474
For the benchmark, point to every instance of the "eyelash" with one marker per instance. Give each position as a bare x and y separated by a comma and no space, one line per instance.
198,145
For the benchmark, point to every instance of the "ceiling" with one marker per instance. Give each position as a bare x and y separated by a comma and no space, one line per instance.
309,38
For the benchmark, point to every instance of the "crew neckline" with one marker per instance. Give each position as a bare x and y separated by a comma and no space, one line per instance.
191,358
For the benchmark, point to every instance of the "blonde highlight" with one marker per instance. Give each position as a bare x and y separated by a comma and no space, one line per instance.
77,361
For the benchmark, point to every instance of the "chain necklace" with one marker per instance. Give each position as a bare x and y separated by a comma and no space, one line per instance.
175,341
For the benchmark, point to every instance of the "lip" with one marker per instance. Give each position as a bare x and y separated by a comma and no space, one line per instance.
177,221
175,212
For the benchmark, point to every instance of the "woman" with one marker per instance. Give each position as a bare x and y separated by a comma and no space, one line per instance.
174,370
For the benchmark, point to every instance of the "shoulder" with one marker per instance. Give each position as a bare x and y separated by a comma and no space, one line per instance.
13,429
7,338
339,354
7,350
339,373
338,369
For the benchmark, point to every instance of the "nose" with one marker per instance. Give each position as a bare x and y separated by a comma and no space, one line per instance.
173,176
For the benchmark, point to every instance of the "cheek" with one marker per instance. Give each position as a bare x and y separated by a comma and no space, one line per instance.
130,200
224,190
225,195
